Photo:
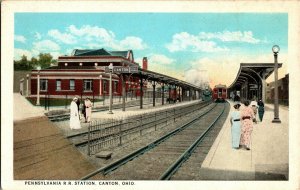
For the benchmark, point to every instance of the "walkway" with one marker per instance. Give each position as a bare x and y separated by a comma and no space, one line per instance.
23,109
42,152
267,160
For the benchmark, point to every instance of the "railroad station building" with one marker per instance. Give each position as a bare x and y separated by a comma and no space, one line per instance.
250,81
83,73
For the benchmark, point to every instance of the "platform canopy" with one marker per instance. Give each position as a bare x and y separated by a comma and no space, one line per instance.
250,81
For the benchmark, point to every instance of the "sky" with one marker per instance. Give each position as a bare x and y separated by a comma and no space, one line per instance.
195,47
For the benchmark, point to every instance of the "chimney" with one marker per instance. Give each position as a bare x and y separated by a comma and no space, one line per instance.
145,63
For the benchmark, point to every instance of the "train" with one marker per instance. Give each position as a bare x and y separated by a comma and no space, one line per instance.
206,94
219,93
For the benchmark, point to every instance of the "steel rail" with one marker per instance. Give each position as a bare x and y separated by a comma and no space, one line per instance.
138,127
106,169
159,121
177,164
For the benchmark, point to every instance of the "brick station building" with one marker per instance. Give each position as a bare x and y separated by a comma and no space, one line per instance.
82,74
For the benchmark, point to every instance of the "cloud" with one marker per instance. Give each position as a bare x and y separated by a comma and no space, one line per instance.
213,70
20,38
187,42
160,59
100,37
18,53
37,36
55,54
62,37
45,45
220,70
204,41
89,32
132,42
227,36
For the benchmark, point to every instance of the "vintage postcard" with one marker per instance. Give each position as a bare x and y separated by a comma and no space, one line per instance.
150,94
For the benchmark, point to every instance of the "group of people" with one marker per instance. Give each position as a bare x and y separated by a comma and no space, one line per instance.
242,122
75,112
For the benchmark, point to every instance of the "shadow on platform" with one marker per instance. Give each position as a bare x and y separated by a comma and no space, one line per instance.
218,174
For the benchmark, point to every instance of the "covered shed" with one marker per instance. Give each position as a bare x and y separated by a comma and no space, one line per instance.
250,81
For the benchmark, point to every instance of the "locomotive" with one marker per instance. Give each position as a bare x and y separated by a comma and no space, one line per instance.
219,93
206,94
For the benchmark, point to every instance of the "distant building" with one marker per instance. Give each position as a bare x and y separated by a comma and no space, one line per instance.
283,91
82,74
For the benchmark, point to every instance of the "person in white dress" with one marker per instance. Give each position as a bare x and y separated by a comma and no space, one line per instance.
254,107
88,109
74,115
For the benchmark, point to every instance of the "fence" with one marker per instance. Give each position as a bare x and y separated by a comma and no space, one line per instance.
115,132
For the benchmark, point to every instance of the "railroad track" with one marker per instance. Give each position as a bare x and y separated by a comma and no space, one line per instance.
168,155
81,139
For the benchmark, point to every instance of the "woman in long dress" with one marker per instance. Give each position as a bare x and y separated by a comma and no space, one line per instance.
235,126
74,115
247,116
88,109
254,107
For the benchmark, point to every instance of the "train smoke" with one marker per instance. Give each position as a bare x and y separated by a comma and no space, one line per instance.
197,77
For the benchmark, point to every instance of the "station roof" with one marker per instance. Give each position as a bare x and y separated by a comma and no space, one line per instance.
158,77
100,52
253,73
144,74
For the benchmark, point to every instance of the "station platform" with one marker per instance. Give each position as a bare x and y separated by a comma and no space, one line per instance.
41,152
23,109
268,158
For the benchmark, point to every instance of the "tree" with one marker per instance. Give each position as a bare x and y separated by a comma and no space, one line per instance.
22,64
33,62
54,62
45,60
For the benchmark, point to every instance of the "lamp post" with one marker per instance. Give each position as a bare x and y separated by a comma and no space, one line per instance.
38,86
153,96
100,93
27,89
276,119
110,67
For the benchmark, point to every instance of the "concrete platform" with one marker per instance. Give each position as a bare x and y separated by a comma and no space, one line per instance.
268,158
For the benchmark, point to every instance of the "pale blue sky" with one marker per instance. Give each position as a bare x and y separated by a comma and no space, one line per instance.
173,41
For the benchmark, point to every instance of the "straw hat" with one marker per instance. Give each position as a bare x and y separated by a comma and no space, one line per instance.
236,105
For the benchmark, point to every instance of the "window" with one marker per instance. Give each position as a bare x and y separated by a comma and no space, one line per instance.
72,84
58,85
104,86
115,86
43,84
87,84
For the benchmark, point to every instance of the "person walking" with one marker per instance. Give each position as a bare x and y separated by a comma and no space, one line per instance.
254,107
261,110
235,126
78,106
247,116
88,109
74,115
